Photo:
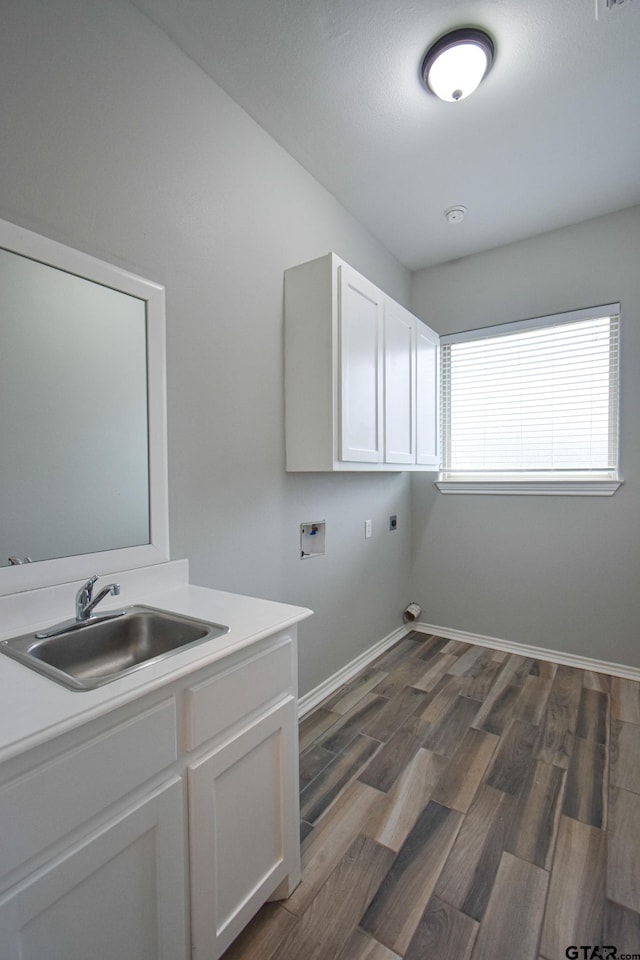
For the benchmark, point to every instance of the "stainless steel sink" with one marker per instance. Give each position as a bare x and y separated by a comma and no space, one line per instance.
100,650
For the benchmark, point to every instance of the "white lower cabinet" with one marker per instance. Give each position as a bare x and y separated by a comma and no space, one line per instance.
119,893
243,817
160,829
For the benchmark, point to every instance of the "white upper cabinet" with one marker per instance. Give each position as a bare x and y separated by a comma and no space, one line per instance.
399,384
427,397
360,363
357,368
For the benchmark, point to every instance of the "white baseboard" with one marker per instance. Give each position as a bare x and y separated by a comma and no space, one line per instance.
539,653
346,673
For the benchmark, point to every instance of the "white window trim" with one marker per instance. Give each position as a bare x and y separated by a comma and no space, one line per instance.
528,485
545,488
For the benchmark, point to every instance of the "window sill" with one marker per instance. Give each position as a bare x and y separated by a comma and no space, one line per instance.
535,488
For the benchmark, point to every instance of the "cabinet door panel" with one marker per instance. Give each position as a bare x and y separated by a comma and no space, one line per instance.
217,703
119,894
360,325
243,817
427,389
45,805
399,384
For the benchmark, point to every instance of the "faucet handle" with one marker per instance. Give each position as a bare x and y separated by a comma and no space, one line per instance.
84,593
88,586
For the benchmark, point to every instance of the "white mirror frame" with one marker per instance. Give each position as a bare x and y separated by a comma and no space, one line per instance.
45,573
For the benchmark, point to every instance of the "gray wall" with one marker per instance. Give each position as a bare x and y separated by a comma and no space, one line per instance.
557,572
115,143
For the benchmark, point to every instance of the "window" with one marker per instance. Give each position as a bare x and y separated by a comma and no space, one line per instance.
532,406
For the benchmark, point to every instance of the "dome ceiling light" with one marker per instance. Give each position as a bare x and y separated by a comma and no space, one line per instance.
456,63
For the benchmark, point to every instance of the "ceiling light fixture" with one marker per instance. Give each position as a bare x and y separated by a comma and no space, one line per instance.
455,65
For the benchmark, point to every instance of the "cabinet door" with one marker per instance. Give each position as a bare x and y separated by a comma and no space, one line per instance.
399,384
360,321
118,894
427,390
243,805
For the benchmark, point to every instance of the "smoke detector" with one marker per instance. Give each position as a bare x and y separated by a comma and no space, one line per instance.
456,214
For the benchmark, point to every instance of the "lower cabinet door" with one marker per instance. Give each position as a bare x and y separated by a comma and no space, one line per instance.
243,807
117,895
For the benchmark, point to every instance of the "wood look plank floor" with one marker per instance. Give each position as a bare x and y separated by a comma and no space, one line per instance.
460,803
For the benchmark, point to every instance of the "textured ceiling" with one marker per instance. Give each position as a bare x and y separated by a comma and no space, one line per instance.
551,137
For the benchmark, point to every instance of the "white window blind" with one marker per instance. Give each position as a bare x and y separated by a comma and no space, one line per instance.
537,399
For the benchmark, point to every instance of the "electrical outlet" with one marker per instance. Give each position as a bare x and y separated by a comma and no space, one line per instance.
393,522
367,529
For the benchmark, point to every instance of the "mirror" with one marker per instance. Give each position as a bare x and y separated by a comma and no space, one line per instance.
82,415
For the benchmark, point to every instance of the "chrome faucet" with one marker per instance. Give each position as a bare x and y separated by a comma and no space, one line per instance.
85,601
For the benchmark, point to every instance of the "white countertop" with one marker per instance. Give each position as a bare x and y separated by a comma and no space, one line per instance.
34,708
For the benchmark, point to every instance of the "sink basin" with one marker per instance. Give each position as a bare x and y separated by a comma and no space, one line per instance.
98,651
